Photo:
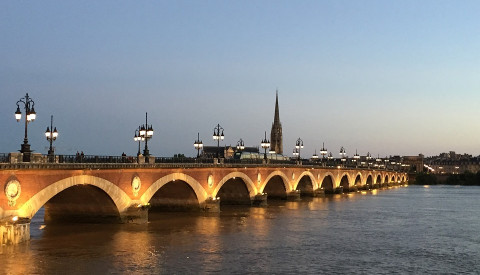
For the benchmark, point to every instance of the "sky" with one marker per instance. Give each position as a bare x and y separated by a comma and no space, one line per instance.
385,77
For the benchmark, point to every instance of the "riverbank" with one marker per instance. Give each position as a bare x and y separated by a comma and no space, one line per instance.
466,179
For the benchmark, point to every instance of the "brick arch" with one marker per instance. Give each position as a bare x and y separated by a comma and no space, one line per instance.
320,182
193,183
340,176
312,178
119,197
369,174
284,177
381,178
252,190
362,179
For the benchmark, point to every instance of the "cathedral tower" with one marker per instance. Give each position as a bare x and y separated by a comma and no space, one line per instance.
276,137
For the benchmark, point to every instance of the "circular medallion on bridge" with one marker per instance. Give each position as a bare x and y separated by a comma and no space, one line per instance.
12,191
136,184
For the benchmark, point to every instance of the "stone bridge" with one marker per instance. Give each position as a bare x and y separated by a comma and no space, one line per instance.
127,192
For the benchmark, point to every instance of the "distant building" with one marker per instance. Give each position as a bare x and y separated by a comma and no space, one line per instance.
226,152
276,136
452,163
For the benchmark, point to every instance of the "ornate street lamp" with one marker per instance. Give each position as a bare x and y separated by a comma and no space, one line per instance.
145,133
240,145
51,136
369,157
295,153
198,144
299,146
330,157
323,152
315,156
265,145
217,136
356,158
343,153
138,138
28,105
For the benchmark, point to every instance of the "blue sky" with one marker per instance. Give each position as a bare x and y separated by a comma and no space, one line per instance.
388,77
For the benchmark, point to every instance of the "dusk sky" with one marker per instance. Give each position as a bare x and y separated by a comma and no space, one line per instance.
388,77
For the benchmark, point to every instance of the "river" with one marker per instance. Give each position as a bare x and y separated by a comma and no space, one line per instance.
411,229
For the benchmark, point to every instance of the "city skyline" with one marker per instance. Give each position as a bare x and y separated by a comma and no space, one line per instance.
385,78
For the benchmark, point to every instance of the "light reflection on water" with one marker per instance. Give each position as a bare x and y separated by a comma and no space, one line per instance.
400,230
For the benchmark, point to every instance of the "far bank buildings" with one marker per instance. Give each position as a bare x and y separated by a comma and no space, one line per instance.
276,140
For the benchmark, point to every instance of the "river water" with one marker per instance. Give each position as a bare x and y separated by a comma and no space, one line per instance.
411,229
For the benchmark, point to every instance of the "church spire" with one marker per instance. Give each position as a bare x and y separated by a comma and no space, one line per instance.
276,119
276,137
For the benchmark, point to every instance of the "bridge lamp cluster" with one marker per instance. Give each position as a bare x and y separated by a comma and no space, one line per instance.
298,147
145,132
315,156
31,115
240,145
343,154
29,109
217,136
51,134
265,145
323,151
198,144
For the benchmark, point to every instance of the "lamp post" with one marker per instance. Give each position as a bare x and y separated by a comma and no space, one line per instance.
378,161
369,157
138,138
356,158
298,146
28,105
217,136
198,144
146,133
315,156
265,145
240,145
51,136
343,153
295,152
323,152
330,157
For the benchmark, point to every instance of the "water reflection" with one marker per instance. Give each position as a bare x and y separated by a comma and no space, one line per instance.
403,230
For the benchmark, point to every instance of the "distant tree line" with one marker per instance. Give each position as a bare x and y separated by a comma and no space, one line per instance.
467,178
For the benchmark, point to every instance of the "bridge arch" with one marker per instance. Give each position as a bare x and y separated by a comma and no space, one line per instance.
359,179
282,175
119,197
386,179
327,182
340,177
378,179
369,180
252,190
193,183
310,175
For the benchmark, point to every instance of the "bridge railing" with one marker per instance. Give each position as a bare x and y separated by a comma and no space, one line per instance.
4,158
88,161
95,159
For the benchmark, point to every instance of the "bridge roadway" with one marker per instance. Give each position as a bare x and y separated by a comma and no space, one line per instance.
126,192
